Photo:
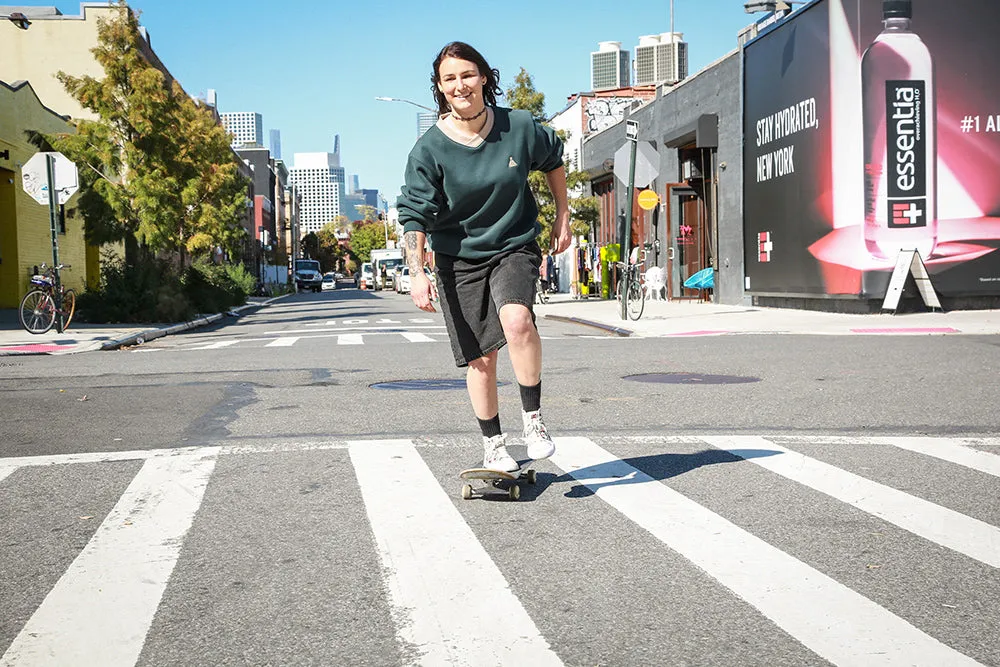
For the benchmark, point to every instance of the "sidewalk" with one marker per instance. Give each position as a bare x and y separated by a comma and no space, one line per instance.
659,318
690,318
82,337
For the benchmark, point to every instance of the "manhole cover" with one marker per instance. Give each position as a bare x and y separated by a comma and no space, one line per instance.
690,378
425,385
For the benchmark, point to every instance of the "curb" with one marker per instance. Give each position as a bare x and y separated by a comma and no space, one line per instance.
151,334
618,331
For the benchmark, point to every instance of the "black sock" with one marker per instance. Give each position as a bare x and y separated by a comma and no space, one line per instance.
531,397
490,427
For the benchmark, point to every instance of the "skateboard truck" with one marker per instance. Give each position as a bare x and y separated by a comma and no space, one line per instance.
495,479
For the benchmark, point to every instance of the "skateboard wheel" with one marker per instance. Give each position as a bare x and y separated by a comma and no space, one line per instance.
514,492
531,477
466,491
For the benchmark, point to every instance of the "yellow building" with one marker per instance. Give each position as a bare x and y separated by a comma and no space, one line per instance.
25,230
57,42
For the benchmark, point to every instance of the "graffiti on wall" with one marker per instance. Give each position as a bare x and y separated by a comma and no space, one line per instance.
602,112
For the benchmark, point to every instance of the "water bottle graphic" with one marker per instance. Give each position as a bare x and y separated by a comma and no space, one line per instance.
900,138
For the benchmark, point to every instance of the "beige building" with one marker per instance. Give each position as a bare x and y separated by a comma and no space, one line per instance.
57,42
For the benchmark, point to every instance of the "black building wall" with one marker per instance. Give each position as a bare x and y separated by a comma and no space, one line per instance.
713,92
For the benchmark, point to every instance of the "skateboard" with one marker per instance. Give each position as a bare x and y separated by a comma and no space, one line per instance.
505,481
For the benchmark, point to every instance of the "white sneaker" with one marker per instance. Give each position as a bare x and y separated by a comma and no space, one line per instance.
496,456
540,445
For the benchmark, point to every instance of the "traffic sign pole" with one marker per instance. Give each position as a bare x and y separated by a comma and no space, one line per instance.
50,168
632,133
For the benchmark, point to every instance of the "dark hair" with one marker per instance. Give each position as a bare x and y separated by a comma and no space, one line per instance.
462,51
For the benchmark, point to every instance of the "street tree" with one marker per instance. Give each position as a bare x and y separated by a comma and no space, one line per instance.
366,236
584,210
153,167
330,252
522,95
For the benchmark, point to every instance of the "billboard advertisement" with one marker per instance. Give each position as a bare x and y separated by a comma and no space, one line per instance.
872,127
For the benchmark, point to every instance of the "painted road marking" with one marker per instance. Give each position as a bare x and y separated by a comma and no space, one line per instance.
217,345
417,337
830,619
949,450
966,535
286,341
350,339
431,559
100,610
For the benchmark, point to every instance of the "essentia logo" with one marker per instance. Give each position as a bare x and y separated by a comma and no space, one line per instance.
906,139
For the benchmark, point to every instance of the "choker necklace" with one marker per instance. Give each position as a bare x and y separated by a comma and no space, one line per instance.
456,116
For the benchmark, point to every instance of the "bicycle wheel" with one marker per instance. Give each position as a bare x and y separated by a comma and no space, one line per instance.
636,299
68,307
37,312
540,293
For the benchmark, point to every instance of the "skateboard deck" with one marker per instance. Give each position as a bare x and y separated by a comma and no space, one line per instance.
495,479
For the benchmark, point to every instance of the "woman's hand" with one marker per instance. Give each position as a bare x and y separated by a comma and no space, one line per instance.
422,292
561,235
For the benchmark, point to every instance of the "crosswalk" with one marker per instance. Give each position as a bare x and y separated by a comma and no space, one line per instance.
432,335
674,550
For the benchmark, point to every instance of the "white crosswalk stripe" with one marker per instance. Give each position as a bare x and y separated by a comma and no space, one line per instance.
778,585
428,578
120,574
966,535
448,587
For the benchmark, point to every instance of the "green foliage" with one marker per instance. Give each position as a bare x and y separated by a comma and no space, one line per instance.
154,166
155,291
365,237
213,288
522,95
331,253
584,211
149,291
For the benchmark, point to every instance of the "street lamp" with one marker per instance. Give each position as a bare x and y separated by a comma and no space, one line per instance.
397,99
18,19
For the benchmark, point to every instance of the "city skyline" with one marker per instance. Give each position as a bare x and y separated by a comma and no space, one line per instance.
311,102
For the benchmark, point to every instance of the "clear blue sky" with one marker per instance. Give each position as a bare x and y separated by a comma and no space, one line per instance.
313,68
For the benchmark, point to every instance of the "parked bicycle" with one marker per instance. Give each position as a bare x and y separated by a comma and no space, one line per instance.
540,294
630,282
43,303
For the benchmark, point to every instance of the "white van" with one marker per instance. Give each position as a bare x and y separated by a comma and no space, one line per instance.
367,275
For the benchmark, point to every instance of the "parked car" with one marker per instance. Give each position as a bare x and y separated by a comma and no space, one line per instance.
404,279
329,281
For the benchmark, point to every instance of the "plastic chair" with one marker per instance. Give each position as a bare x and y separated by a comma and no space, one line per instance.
655,283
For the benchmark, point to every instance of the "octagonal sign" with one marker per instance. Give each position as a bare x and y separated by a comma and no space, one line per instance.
35,179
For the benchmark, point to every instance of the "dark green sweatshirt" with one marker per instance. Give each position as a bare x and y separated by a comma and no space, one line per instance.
474,202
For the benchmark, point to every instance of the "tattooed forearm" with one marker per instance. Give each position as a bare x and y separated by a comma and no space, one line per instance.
414,242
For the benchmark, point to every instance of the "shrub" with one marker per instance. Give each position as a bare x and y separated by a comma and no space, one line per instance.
213,288
148,291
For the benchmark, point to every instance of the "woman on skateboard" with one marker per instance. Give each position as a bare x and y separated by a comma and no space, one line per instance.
467,192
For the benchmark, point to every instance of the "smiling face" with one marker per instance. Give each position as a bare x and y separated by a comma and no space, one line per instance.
462,85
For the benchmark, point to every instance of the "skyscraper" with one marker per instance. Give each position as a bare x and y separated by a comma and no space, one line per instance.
661,58
425,121
275,144
609,67
319,180
246,128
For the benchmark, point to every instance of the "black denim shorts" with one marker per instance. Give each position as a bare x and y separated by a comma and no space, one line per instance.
472,291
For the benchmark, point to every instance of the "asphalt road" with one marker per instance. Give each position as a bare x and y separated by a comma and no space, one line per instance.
281,489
